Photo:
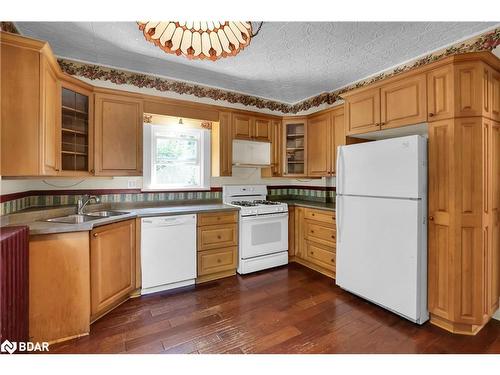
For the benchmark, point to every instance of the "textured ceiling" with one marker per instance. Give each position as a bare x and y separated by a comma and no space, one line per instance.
287,61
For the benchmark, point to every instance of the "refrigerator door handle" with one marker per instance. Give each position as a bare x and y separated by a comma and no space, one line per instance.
340,170
339,219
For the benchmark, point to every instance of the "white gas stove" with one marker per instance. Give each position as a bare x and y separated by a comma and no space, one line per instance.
263,227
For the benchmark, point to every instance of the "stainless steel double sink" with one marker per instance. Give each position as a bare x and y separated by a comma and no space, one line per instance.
83,218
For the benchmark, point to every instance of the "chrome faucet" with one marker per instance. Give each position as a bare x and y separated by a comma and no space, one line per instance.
82,202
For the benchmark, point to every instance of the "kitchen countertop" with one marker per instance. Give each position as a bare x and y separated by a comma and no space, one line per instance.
37,225
309,204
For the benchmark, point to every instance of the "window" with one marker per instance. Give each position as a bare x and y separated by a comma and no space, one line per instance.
176,157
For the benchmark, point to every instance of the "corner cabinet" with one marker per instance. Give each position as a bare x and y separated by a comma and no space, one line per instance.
294,147
112,266
77,129
118,135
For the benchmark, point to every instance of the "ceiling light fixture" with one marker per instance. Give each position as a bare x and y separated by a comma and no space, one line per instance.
199,39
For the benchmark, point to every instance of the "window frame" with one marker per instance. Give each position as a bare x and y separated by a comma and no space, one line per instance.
151,133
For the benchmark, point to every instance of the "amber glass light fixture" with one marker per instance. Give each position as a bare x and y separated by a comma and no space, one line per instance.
199,39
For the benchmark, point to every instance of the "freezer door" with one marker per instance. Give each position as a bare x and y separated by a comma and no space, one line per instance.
388,168
382,253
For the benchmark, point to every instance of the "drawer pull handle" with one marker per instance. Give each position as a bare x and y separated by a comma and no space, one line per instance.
219,237
218,260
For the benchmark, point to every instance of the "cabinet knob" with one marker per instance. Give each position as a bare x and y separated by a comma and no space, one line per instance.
312,231
218,260
333,236
431,218
95,234
382,123
219,237
57,169
312,252
333,260
431,114
313,214
92,171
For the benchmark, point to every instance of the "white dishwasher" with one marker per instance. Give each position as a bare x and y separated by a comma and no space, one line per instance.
168,252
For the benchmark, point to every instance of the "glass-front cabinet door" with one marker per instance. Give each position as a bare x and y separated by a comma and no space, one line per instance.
294,135
76,130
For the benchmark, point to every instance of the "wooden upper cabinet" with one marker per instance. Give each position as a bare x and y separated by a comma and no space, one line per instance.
262,130
319,146
242,126
494,89
118,135
276,169
404,102
222,146
30,108
440,93
338,137
112,265
251,128
362,111
50,104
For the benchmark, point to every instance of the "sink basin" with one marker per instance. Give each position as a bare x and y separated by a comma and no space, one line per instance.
72,219
105,213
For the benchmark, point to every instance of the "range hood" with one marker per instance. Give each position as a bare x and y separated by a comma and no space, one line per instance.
251,154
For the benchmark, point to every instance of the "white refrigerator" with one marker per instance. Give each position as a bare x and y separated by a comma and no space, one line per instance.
381,206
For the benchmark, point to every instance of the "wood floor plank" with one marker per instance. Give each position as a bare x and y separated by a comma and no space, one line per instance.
290,309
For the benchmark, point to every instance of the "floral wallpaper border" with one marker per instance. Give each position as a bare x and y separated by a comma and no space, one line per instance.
485,42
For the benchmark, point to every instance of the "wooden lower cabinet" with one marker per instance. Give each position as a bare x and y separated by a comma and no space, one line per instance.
217,245
59,291
314,239
112,266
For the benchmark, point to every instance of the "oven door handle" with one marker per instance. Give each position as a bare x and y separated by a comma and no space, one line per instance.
264,216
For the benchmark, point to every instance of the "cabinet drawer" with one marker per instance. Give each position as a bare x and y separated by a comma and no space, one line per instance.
215,218
216,236
320,233
218,260
320,255
320,215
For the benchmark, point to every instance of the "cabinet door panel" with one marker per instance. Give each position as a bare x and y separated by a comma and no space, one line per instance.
338,137
404,102
363,112
318,146
118,135
262,130
495,95
242,126
222,146
50,120
441,239
320,255
112,265
468,90
217,260
440,93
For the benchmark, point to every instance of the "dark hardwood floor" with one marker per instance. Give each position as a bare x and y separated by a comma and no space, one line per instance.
286,310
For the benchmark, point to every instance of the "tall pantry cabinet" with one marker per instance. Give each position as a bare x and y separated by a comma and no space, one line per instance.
464,194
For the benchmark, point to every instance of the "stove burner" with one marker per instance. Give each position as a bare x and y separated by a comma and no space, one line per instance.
267,203
244,203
